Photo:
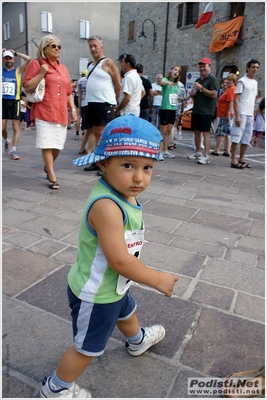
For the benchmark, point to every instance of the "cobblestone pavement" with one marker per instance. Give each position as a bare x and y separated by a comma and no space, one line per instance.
203,222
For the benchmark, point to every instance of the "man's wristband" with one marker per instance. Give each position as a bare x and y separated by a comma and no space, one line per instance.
15,54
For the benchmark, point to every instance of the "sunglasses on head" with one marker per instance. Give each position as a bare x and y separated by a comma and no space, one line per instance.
54,46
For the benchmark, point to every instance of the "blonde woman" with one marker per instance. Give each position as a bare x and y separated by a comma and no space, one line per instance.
51,114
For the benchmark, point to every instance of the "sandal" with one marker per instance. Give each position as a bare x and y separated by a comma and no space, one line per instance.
215,154
244,377
83,152
237,165
245,165
172,146
226,154
54,185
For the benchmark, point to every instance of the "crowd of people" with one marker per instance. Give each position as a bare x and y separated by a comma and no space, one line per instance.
234,109
127,126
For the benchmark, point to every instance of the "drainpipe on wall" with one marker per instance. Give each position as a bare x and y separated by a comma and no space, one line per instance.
26,29
166,37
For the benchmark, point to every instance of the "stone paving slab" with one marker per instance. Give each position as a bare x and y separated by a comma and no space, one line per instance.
13,387
225,222
250,306
173,313
212,295
23,268
209,349
231,275
171,259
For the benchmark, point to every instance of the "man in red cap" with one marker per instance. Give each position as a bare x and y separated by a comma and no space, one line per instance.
204,93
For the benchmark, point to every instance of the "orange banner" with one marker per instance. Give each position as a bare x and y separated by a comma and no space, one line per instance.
225,34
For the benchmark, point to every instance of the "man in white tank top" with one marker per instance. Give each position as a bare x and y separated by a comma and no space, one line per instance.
102,90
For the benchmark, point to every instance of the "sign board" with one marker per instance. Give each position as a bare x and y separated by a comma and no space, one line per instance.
190,79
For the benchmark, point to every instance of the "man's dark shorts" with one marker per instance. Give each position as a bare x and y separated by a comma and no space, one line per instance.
201,122
167,117
10,109
100,114
85,118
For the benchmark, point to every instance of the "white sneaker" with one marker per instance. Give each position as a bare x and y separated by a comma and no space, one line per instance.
7,145
195,156
71,392
161,158
179,136
167,154
152,335
204,160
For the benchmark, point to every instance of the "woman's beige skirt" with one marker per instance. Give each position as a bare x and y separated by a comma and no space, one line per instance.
50,135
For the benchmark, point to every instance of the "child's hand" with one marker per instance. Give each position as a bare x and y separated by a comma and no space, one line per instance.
166,283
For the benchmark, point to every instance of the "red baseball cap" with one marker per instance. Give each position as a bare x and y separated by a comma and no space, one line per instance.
204,61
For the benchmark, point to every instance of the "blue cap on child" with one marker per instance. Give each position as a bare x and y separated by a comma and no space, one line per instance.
125,136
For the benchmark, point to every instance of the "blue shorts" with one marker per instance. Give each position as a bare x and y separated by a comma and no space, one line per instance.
93,324
242,134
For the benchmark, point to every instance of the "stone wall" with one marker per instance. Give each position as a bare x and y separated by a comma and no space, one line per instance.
187,45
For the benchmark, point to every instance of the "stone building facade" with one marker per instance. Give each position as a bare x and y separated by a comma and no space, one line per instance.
169,28
24,24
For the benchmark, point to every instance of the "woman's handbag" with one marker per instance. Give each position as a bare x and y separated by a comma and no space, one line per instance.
38,95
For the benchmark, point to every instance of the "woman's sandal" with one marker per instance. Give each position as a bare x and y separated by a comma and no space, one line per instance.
226,154
83,152
237,165
245,165
215,154
54,185
172,146
245,376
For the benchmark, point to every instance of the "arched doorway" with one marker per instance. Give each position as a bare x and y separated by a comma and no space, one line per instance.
229,69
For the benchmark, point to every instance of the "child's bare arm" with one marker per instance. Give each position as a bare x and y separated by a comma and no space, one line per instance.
106,218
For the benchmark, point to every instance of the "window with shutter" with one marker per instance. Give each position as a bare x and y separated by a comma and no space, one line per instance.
237,10
131,30
180,15
187,14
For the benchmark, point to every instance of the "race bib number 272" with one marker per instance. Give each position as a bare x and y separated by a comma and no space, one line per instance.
8,88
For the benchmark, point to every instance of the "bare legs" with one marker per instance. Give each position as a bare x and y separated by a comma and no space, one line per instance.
73,363
89,138
243,149
49,157
165,131
16,131
219,142
97,131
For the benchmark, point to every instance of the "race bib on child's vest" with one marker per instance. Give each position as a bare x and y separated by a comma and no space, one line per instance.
134,242
173,99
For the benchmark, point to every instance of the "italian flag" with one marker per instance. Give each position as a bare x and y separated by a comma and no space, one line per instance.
206,16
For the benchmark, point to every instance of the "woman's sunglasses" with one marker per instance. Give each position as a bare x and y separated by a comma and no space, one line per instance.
54,46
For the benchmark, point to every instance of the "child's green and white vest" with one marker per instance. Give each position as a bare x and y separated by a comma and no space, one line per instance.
91,278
